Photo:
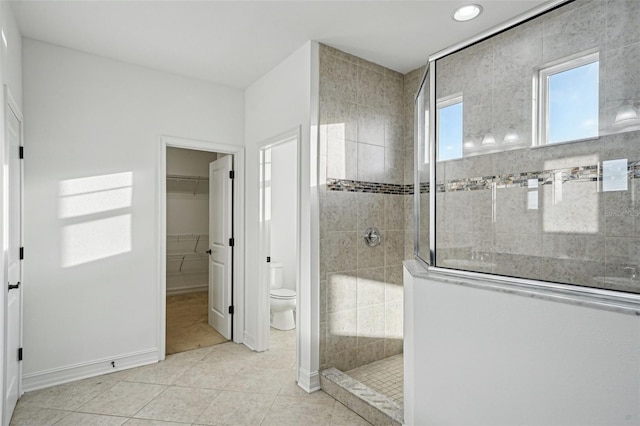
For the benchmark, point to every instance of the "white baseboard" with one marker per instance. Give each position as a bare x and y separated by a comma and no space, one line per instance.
187,290
249,340
83,370
309,381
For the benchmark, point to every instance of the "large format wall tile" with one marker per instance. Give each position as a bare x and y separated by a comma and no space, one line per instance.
622,23
364,111
574,29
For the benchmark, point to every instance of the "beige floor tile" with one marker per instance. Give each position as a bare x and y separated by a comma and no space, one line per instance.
162,373
219,385
317,404
123,399
178,404
194,355
273,358
83,419
146,422
258,380
207,378
287,410
227,361
342,416
294,419
69,396
236,408
291,388
282,339
36,416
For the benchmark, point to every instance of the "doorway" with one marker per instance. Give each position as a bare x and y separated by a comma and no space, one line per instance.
200,261
196,288
279,235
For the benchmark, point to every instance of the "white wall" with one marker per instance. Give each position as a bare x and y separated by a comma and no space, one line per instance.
11,61
188,214
283,210
485,357
91,274
279,102
11,75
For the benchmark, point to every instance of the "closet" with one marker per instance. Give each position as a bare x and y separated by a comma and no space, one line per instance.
187,262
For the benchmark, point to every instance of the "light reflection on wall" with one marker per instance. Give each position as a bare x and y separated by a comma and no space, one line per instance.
96,211
362,317
336,150
571,207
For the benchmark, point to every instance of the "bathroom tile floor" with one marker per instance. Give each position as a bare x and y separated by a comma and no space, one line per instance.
226,384
385,376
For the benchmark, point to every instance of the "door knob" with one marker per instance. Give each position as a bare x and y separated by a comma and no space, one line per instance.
12,286
208,251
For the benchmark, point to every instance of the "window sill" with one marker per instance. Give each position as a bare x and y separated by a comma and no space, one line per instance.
546,145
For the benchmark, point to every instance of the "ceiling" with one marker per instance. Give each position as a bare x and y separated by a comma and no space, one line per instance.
235,42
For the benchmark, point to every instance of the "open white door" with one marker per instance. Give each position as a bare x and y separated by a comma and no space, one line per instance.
221,245
13,312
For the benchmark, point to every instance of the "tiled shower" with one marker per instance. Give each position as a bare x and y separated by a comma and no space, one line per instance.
510,204
366,175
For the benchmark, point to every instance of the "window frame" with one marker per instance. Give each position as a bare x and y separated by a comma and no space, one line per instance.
541,122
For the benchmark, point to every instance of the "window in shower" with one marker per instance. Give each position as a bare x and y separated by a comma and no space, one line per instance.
517,201
449,123
569,100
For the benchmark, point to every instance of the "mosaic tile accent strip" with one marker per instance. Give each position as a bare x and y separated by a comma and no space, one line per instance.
373,187
591,173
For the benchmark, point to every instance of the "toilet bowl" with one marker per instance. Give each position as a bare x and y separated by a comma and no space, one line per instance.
282,301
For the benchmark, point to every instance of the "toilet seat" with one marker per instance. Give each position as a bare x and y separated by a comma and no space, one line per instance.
283,294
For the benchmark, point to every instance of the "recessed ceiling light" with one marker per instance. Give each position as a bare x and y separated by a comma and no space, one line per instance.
467,13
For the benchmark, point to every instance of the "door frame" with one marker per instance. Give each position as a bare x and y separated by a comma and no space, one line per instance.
10,104
264,287
238,153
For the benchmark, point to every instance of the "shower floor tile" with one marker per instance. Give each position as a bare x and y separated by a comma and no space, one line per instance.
385,376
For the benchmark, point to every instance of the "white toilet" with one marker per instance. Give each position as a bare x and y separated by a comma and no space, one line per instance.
282,301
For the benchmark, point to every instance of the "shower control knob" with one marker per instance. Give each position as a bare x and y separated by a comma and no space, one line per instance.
372,237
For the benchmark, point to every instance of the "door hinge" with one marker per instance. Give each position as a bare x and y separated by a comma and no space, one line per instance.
19,354
21,153
21,253
232,174
231,242
231,310
268,259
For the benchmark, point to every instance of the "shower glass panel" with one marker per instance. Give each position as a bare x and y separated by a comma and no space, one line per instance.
547,185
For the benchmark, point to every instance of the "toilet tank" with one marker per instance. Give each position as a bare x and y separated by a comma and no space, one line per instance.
276,275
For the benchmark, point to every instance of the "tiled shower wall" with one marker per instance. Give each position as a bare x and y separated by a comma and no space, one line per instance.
363,138
574,231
